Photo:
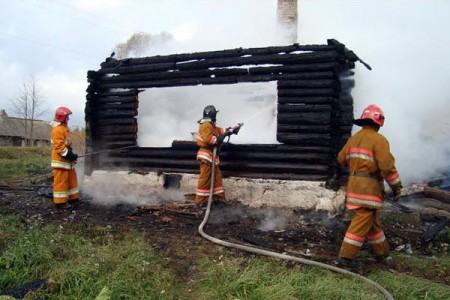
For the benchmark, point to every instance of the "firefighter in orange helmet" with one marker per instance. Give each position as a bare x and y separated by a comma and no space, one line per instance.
65,186
370,162
208,137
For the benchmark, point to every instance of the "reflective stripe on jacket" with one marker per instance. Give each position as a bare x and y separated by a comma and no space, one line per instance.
60,139
207,139
368,152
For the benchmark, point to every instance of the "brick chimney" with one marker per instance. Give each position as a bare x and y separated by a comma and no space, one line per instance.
287,19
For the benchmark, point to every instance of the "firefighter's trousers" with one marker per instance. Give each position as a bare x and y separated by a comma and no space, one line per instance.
365,224
65,185
204,183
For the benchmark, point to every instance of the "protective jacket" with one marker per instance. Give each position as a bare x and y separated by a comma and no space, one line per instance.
60,139
206,139
368,157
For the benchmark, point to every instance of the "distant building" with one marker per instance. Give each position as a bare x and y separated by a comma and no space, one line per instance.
12,131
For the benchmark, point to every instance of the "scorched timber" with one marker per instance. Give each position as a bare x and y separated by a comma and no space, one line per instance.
304,108
307,118
118,121
244,154
286,128
117,129
163,77
315,139
307,92
294,84
118,100
306,100
237,52
235,166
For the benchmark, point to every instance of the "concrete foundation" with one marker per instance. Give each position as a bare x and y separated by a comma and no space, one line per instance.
153,187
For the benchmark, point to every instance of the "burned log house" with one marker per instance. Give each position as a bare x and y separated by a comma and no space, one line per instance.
315,110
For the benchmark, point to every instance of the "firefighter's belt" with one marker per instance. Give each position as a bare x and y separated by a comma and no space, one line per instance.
361,174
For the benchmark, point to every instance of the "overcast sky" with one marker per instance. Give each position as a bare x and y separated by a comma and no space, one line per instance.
405,41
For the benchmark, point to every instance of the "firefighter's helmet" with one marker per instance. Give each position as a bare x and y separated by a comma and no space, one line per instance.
210,112
371,113
62,113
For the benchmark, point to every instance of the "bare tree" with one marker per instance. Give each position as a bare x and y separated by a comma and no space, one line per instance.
139,43
28,105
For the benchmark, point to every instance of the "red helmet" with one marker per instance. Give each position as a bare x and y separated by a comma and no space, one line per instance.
62,113
371,112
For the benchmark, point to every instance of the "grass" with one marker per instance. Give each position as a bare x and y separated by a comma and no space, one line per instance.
79,260
23,162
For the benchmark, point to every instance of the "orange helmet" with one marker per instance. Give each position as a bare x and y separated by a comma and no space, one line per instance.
371,113
62,113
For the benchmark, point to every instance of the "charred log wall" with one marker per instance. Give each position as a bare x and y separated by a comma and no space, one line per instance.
315,109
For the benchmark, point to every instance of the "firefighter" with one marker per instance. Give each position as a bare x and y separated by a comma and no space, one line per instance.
208,137
370,162
65,186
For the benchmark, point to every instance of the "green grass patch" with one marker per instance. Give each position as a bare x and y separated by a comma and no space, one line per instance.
407,287
80,261
262,278
23,162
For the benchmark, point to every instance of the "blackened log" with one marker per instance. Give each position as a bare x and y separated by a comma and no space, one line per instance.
437,194
306,100
119,106
429,202
346,118
304,108
315,139
119,121
228,155
117,145
115,113
131,69
434,230
304,118
278,148
307,92
115,129
331,67
345,108
271,167
312,57
117,99
346,99
119,137
284,128
287,84
237,52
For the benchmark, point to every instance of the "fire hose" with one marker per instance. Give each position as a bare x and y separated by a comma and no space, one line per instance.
104,151
385,293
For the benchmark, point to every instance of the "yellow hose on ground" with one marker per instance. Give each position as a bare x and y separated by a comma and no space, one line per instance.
385,293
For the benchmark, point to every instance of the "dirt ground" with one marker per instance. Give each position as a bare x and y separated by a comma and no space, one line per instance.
173,229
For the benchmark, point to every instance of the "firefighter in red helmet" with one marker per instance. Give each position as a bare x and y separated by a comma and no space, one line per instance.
370,162
208,137
63,160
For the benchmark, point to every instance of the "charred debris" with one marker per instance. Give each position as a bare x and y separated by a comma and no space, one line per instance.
314,102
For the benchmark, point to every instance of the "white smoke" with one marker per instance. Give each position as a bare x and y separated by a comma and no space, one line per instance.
404,42
171,114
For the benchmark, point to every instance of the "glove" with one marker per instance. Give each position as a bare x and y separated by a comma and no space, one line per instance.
397,193
70,156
